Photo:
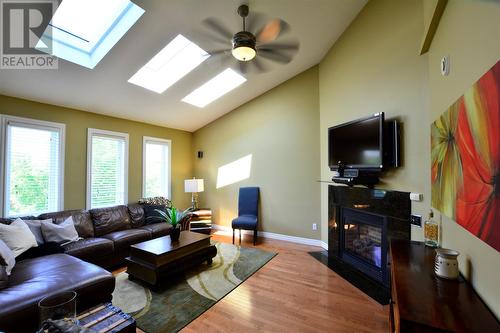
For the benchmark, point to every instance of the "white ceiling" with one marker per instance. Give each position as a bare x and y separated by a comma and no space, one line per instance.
316,24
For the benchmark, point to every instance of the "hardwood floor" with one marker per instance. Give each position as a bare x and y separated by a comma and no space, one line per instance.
292,293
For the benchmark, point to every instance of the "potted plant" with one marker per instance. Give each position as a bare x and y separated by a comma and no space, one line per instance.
174,217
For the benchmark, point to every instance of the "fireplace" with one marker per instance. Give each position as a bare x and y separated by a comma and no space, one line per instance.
361,222
363,243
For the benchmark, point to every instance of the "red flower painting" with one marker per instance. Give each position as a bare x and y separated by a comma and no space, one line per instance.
466,160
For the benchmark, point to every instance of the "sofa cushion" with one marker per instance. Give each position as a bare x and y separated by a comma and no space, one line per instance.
152,215
6,220
4,277
136,213
33,279
41,250
158,229
110,219
90,248
125,238
81,219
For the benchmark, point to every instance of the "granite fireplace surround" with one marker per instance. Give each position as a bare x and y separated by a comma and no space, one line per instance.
391,207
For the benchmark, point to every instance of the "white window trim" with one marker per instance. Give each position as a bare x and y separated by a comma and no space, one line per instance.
94,131
37,124
146,139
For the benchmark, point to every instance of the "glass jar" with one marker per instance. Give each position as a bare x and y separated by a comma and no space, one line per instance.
59,306
431,231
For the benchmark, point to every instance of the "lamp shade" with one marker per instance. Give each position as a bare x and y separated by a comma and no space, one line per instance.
193,185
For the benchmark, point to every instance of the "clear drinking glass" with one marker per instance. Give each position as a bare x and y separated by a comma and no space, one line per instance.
59,306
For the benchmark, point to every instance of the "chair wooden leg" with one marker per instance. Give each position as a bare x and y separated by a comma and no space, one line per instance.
254,237
240,236
233,235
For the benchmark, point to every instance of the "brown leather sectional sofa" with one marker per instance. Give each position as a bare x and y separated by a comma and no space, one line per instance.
107,234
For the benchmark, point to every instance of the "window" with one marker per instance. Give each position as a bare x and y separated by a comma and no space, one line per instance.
156,167
215,88
107,168
84,31
33,166
171,64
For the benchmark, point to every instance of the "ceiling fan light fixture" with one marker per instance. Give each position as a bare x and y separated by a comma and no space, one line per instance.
244,46
244,53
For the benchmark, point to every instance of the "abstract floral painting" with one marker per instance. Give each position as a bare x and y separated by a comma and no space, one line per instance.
465,149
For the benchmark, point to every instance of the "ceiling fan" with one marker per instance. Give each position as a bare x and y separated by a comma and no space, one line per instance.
248,47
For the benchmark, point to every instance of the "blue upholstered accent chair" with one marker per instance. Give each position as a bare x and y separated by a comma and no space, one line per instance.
248,211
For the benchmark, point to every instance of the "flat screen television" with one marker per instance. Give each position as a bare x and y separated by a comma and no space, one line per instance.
358,144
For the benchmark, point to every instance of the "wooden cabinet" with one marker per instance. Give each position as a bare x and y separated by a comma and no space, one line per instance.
201,221
423,302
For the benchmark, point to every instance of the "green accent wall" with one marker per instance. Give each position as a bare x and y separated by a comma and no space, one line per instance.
280,130
77,122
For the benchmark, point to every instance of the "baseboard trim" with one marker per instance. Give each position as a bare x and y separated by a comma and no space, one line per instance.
324,245
272,235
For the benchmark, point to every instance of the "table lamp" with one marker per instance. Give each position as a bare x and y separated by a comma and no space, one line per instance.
193,186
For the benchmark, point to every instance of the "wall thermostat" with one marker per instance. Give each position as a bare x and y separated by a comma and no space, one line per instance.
445,65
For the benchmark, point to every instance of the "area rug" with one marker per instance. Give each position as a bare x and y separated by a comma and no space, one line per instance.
182,299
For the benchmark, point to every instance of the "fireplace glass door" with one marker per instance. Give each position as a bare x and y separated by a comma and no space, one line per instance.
364,241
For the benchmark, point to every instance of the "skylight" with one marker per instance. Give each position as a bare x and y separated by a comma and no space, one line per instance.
215,88
84,31
168,66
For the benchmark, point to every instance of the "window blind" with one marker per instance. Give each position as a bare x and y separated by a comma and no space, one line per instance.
33,169
108,174
156,168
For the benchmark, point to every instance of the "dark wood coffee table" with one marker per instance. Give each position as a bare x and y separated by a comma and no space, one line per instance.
153,260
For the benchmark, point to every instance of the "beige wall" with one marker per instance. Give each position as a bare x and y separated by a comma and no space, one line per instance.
375,67
280,130
77,123
469,33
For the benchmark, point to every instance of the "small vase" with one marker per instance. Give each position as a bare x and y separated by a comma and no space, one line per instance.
175,233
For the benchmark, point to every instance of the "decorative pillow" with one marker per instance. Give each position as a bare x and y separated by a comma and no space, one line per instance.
36,228
60,233
42,250
17,236
156,201
7,257
152,216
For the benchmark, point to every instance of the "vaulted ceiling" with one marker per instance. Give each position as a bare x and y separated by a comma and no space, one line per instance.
315,24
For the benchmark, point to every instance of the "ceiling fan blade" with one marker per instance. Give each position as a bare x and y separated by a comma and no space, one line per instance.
217,59
218,27
210,37
220,51
272,30
275,56
243,66
293,46
259,66
254,20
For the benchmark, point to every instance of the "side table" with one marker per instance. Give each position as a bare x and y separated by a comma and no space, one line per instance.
201,221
